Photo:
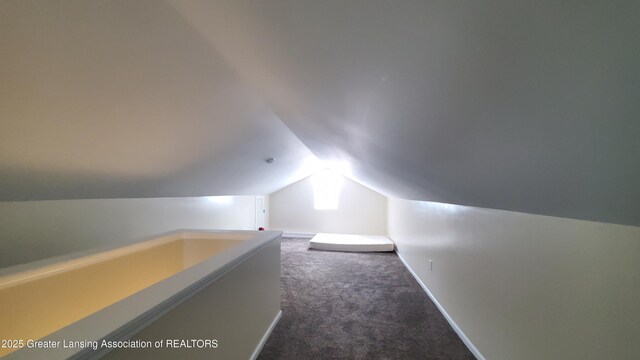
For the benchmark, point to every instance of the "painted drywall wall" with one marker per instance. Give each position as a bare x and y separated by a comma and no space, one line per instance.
360,210
34,230
237,310
524,286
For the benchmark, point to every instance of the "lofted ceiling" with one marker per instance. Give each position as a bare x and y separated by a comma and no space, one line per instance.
105,99
523,106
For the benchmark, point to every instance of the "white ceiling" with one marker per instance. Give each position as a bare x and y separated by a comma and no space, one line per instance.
125,99
525,106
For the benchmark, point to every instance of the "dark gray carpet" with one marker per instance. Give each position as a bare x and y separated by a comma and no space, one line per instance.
338,305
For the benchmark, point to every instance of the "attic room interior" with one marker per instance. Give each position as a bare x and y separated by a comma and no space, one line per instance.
359,179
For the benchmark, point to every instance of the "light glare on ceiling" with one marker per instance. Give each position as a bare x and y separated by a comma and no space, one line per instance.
221,200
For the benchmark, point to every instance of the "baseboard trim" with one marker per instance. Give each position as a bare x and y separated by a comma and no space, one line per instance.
265,337
298,235
453,324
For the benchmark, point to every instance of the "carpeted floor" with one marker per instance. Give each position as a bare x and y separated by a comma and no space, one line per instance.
338,305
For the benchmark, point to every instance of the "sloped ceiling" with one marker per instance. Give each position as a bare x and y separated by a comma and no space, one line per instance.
107,99
521,105
524,106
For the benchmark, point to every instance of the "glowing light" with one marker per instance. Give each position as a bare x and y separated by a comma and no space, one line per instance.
440,207
326,190
221,200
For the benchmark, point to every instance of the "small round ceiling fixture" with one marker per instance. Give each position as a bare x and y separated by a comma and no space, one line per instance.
270,160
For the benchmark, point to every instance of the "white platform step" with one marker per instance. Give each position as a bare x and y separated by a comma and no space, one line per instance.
347,242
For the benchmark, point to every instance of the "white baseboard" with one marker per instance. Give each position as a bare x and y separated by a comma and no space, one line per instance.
265,337
453,324
298,235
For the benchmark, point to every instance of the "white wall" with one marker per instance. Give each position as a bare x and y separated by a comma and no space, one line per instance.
360,210
524,286
237,310
33,230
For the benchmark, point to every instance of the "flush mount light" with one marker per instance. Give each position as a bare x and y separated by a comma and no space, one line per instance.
270,160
